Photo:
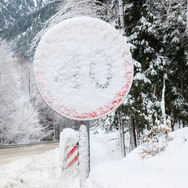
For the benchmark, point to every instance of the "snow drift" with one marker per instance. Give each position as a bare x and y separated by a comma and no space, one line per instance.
168,169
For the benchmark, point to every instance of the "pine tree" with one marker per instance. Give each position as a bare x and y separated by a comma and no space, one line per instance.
142,106
143,35
175,40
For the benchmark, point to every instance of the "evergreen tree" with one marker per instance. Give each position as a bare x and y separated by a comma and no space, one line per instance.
143,105
142,31
158,38
176,48
173,24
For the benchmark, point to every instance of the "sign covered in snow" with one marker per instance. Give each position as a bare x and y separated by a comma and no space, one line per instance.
83,68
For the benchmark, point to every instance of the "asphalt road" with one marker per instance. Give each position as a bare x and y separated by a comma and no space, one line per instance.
11,153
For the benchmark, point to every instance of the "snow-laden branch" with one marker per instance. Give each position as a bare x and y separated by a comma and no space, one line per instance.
62,15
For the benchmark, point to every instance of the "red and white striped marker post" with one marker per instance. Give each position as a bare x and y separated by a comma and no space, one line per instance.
69,148
72,155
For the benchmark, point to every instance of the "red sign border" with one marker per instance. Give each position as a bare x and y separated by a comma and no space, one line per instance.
100,112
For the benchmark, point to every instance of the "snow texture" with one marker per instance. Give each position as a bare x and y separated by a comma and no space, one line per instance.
142,77
83,68
43,171
168,169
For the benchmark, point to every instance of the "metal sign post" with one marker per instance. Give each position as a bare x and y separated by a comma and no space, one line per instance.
84,152
88,133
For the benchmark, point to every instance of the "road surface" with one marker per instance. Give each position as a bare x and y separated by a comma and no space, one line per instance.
13,152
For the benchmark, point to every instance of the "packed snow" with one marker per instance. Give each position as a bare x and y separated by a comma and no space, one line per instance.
83,67
83,154
168,169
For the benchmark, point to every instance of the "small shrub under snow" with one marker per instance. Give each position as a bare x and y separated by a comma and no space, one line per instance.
155,140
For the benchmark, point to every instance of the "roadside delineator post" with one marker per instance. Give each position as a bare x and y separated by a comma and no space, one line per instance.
72,155
68,148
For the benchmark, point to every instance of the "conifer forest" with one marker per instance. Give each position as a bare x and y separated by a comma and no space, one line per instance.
157,33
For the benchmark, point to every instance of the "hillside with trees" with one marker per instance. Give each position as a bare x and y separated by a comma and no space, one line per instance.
157,32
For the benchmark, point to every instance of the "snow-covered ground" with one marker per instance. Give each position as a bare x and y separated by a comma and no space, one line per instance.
168,169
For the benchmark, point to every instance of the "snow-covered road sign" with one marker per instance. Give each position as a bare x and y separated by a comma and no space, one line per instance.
83,68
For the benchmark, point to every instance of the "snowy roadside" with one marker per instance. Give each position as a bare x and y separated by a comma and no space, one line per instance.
43,171
168,169
9,153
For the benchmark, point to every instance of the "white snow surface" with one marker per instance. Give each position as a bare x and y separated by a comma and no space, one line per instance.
140,76
35,3
44,171
168,169
83,67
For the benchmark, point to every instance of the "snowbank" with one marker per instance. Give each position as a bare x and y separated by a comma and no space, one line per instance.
36,172
168,169
44,171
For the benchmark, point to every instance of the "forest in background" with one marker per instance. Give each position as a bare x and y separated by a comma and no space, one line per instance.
157,33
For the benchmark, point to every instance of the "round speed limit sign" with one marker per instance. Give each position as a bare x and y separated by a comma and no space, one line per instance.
83,68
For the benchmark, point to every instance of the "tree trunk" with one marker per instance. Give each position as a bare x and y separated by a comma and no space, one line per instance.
121,14
168,12
172,123
183,123
179,125
163,102
122,136
187,19
133,141
134,134
123,139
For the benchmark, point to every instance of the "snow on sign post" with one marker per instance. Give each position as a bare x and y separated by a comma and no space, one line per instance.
83,68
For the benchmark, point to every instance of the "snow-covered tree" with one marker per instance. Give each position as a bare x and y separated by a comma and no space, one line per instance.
176,47
9,91
18,118
143,105
26,124
141,28
156,31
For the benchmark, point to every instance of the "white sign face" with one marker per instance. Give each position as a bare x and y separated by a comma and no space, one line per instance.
83,68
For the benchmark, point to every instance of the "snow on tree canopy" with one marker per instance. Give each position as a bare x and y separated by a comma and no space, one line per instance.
83,68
